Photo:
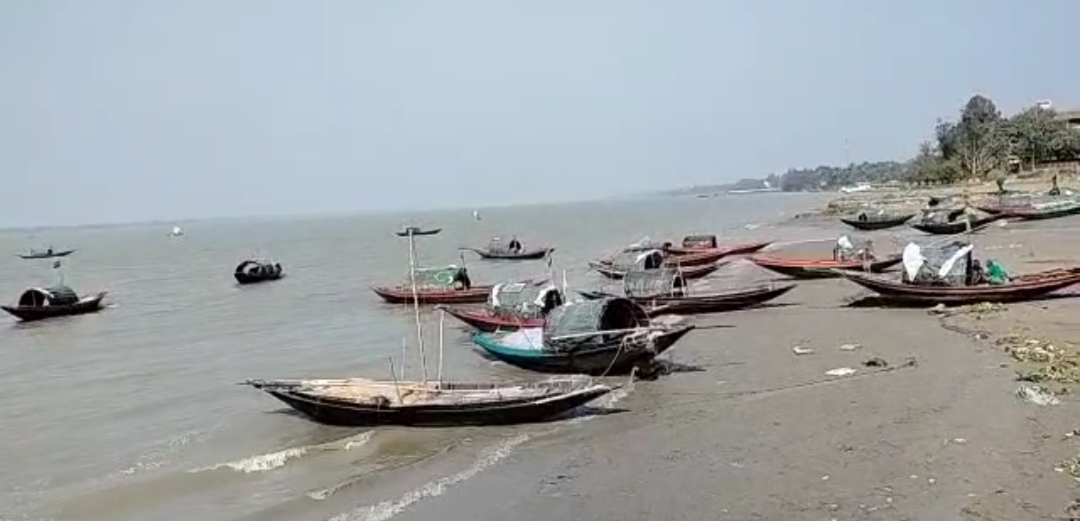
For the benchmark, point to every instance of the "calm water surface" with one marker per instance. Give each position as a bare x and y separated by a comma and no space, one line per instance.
134,413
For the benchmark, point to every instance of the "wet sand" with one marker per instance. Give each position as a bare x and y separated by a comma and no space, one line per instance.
763,433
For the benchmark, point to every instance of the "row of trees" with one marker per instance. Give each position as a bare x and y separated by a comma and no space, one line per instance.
979,143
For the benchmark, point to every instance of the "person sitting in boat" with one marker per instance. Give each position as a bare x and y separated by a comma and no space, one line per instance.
461,279
515,245
995,274
845,250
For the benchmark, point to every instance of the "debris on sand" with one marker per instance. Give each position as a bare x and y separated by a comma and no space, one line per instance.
850,347
976,311
842,371
1045,362
1037,395
1070,466
876,362
800,350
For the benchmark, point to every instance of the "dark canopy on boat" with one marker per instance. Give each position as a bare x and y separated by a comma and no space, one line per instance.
254,266
700,241
641,260
526,300
54,296
653,283
591,316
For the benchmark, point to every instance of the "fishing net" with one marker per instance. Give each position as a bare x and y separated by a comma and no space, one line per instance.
578,319
653,283
525,300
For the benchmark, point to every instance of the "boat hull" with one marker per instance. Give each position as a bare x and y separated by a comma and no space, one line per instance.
418,233
610,359
484,320
344,413
688,272
404,295
52,255
31,314
956,227
877,224
1040,215
245,278
700,304
1026,288
736,249
533,254
821,269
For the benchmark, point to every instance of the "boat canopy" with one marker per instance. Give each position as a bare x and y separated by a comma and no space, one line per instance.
644,260
947,265
252,267
700,241
591,316
653,283
43,297
523,299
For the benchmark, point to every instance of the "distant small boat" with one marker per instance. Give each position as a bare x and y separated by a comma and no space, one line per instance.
57,301
252,271
876,221
416,230
176,232
47,254
512,250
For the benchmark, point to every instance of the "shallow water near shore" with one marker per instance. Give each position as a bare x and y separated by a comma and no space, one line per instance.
133,413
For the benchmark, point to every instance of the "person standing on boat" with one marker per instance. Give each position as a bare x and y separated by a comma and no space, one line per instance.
1055,191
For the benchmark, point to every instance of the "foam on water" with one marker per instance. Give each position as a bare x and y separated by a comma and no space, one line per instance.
278,459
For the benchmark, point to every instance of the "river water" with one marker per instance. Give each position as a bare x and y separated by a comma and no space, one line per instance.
134,413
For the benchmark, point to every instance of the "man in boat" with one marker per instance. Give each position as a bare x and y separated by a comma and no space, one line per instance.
461,279
1054,190
515,245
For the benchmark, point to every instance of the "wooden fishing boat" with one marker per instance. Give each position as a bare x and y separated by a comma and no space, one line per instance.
442,285
822,268
357,402
511,306
254,271
708,243
596,337
867,221
1054,210
963,224
688,272
664,292
47,254
416,231
57,301
1027,287
512,250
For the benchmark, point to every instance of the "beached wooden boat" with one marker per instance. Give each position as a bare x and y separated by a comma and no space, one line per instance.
688,272
1053,210
1026,287
416,231
868,221
47,254
692,244
254,271
962,224
822,268
442,285
664,292
360,402
511,306
57,301
497,249
596,337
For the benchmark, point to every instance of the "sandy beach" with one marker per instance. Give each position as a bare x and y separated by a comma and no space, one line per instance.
758,432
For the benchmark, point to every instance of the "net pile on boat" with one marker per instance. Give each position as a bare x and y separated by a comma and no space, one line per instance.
524,299
578,325
947,265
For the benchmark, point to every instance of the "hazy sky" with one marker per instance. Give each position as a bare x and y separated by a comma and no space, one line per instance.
118,110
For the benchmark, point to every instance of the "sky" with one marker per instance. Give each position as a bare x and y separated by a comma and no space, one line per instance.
133,110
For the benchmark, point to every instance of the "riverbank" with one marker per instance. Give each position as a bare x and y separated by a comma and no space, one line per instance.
758,432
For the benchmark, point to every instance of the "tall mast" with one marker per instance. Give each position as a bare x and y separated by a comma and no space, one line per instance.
416,305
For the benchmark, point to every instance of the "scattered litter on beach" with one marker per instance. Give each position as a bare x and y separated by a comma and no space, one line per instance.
800,350
1070,466
977,311
1037,395
850,347
1051,363
841,371
876,362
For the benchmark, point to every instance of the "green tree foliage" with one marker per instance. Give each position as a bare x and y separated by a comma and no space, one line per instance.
831,177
